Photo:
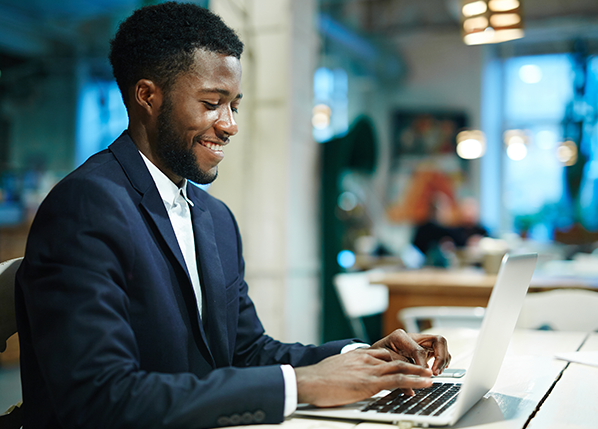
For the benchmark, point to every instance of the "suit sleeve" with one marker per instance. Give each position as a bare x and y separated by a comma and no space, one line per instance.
74,318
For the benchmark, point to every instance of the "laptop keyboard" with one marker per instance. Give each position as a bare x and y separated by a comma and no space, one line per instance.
431,401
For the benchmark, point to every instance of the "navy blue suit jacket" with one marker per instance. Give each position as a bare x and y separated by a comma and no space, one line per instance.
108,322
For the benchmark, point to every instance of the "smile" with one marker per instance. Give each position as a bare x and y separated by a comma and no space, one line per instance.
212,146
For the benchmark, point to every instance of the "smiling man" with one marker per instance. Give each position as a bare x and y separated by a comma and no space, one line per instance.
131,301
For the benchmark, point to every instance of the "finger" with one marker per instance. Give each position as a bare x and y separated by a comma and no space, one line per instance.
409,382
408,369
403,344
439,365
416,352
408,391
406,382
399,357
442,357
382,354
437,347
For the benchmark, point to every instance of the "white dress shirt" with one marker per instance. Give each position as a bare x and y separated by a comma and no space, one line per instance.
177,205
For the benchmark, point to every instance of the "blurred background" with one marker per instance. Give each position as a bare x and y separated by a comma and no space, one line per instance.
374,135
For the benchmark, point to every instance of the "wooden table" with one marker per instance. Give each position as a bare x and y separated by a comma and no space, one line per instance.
464,287
12,245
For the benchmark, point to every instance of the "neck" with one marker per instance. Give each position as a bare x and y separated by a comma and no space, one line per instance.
141,138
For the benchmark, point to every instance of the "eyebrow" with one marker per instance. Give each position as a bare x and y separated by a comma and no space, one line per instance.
221,91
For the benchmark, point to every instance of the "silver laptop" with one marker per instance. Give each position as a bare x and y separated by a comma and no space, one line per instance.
446,401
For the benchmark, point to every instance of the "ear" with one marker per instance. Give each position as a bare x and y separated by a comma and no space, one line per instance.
148,96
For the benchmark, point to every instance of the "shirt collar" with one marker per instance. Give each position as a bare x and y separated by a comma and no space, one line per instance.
167,189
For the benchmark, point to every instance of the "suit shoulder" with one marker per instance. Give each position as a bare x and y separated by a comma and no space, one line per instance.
99,171
97,183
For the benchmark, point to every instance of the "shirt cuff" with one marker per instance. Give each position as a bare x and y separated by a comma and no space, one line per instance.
290,389
353,346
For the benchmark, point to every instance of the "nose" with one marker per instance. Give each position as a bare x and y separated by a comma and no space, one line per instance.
226,122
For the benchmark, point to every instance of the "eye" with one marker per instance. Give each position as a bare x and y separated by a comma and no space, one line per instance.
210,106
235,109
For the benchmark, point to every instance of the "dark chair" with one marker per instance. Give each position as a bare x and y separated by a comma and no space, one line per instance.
12,418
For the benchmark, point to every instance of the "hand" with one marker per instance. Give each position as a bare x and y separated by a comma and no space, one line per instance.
417,348
357,375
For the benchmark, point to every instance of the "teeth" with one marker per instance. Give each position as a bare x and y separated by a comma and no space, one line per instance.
213,146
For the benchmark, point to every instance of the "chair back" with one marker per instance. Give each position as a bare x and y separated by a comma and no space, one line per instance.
414,319
359,299
13,417
560,310
8,322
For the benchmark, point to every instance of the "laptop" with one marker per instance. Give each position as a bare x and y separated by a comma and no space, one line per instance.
447,400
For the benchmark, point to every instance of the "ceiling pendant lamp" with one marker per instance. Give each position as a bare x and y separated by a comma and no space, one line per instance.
491,21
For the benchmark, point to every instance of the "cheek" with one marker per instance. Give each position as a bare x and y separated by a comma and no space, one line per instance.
199,117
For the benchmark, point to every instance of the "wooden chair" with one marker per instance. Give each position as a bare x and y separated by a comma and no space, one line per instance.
12,418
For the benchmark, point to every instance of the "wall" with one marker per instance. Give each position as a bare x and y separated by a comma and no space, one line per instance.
269,177
444,74
440,73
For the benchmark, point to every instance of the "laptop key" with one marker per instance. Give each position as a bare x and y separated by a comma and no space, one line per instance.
424,402
439,402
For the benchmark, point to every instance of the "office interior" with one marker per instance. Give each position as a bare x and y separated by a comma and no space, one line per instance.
365,124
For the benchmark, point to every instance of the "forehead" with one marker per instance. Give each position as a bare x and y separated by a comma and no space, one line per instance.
211,70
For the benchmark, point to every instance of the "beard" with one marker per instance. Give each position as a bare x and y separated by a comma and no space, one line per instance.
172,150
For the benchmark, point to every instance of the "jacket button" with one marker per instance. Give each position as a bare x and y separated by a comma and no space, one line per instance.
223,421
235,419
259,416
247,418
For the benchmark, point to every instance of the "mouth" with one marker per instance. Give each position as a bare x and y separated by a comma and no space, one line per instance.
214,147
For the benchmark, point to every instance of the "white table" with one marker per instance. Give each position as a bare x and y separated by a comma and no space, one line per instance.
573,403
528,375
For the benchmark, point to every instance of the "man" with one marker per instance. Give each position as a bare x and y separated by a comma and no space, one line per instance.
132,308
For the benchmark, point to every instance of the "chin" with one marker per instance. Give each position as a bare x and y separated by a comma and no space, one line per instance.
204,177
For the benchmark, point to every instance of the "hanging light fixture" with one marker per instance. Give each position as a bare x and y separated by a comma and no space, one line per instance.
491,21
471,144
516,142
567,153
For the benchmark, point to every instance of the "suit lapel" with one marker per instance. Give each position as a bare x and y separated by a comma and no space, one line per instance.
154,206
128,156
212,279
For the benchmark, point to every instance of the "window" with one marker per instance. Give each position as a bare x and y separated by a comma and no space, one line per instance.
542,110
102,117
330,117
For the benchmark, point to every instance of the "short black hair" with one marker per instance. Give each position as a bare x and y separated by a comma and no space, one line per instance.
158,43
